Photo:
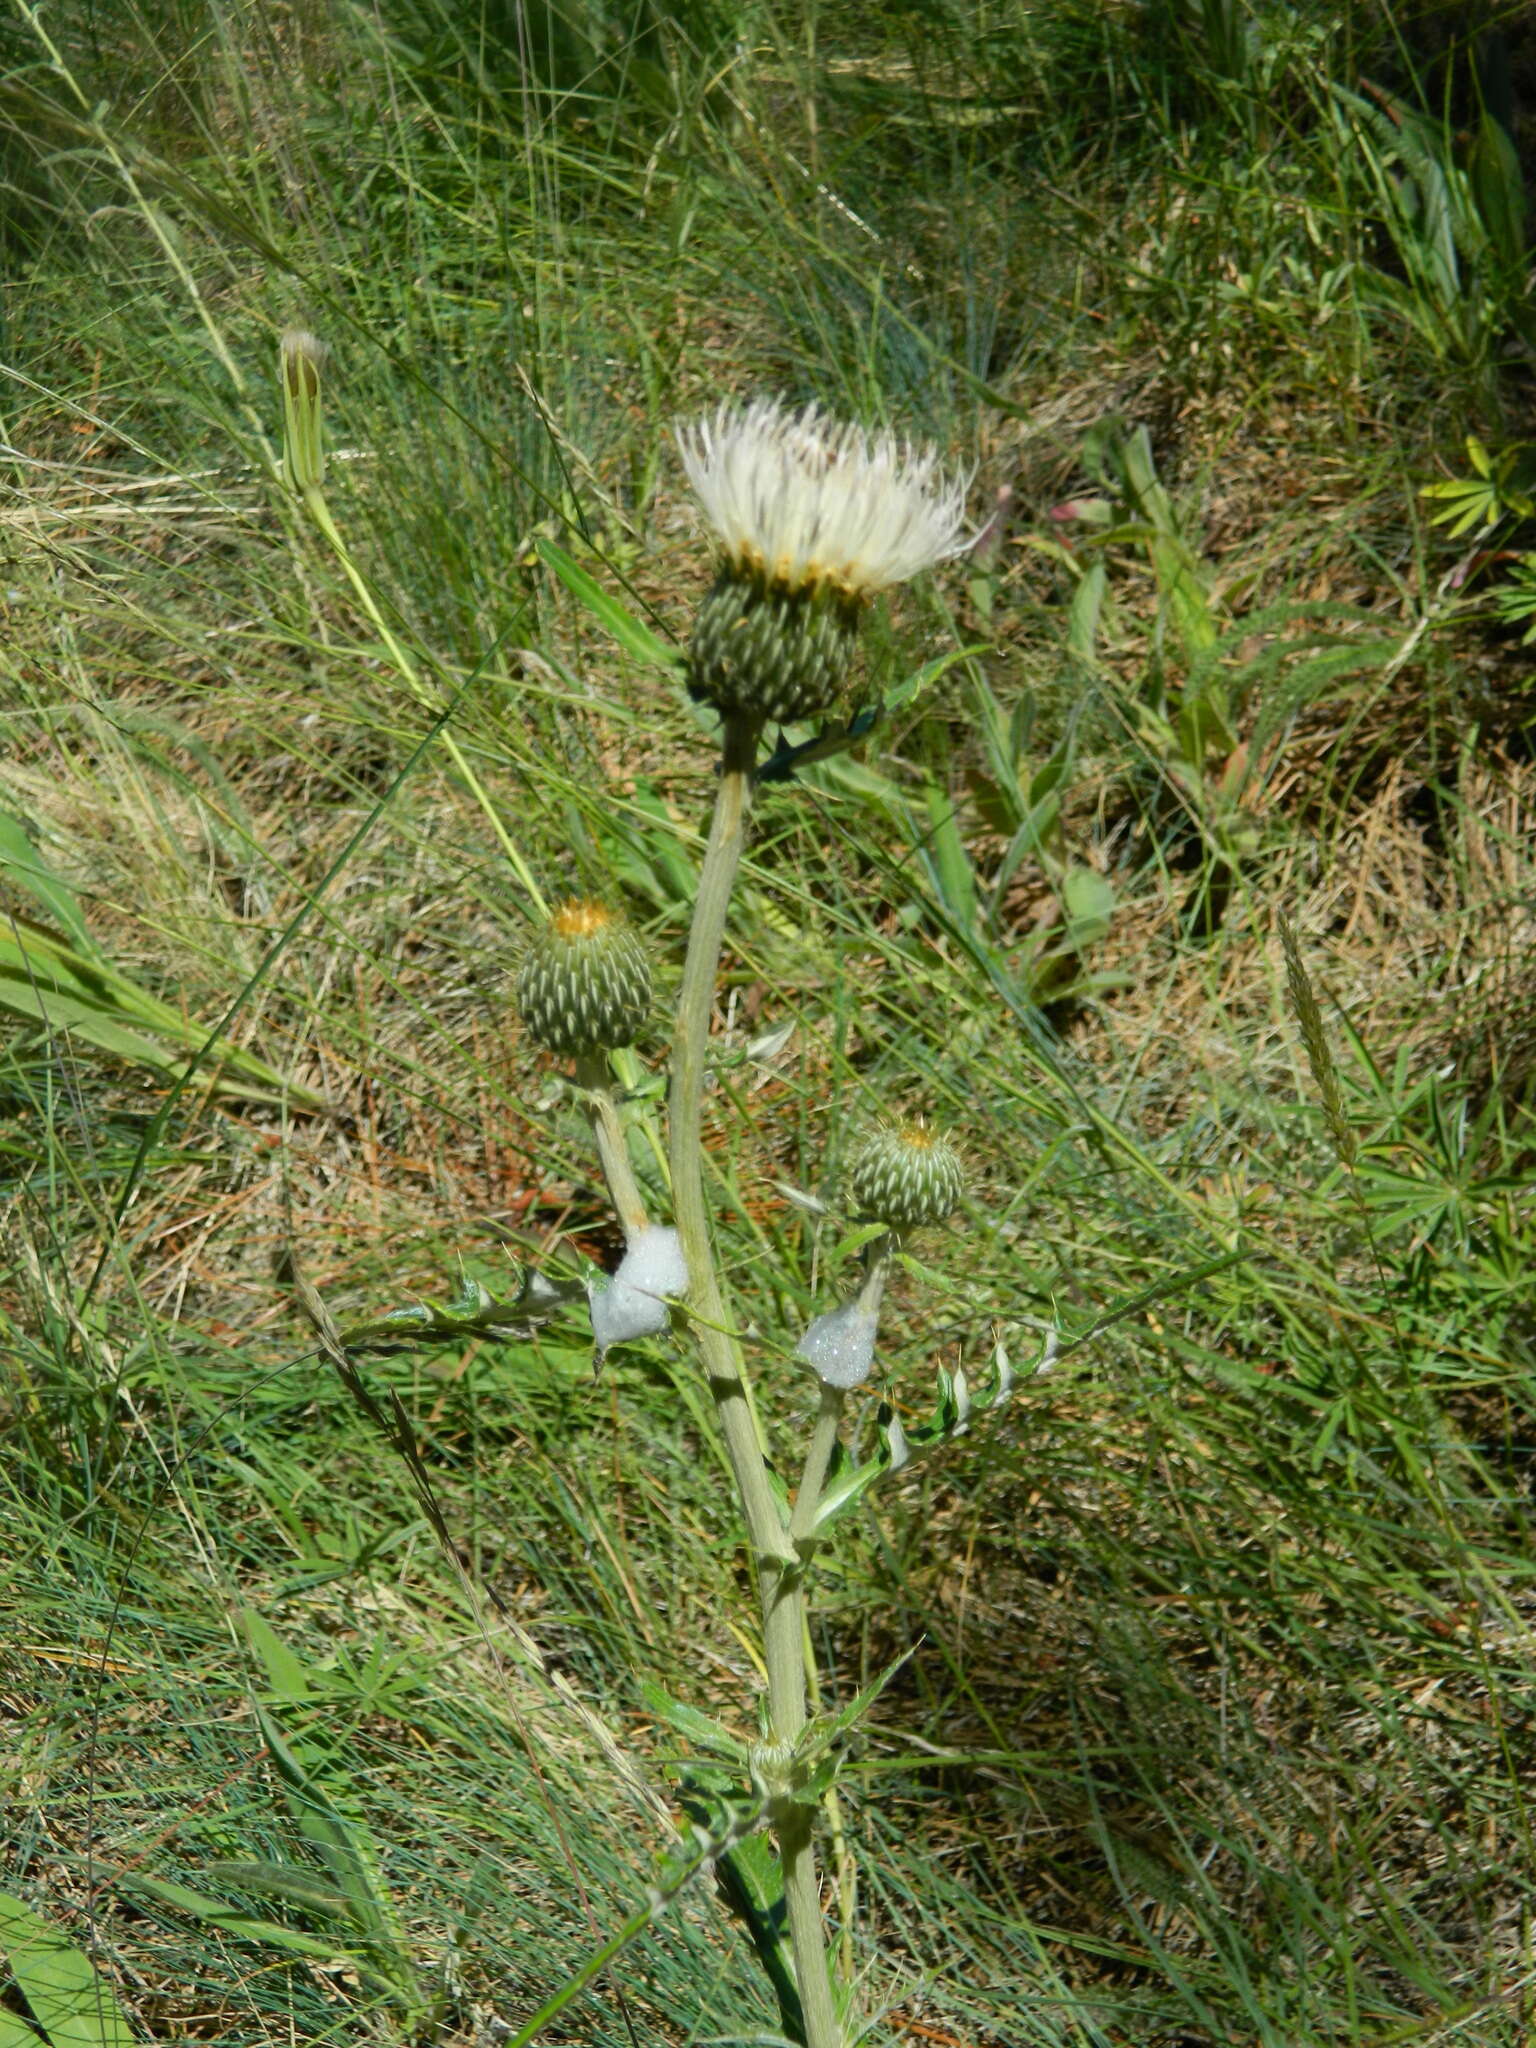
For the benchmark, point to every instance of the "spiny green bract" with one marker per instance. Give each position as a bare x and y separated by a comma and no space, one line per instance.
585,984
763,651
905,1175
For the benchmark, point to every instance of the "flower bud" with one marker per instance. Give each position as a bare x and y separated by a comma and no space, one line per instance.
301,359
585,983
905,1175
771,653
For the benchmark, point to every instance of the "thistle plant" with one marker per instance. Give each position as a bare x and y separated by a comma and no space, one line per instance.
812,520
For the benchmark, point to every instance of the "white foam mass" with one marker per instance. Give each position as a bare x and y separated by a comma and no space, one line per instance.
841,1345
654,1262
633,1303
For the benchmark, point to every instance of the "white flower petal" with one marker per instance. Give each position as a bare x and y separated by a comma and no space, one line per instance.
803,500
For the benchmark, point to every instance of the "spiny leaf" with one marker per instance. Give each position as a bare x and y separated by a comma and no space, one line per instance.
472,1312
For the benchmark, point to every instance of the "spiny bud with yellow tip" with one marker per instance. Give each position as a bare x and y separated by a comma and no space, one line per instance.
905,1175
585,983
301,358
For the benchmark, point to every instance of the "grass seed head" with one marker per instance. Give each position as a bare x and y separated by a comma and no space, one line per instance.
1314,1039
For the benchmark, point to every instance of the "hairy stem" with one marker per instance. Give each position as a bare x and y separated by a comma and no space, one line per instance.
817,1459
778,1566
595,1083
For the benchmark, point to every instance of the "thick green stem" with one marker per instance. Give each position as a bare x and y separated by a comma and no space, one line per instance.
817,1459
778,1567
595,1082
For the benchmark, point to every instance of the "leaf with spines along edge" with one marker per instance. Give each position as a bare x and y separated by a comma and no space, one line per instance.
954,1412
747,1872
721,1804
839,738
698,1728
831,741
819,1753
958,1408
472,1312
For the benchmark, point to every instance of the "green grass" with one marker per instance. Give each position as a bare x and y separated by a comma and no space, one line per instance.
1216,1722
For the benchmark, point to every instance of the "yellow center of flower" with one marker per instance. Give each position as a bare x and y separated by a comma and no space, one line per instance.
581,919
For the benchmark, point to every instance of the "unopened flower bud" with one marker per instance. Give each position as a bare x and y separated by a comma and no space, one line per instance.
771,653
585,984
302,359
905,1175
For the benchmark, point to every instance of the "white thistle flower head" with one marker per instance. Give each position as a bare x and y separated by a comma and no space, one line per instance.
814,517
803,502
